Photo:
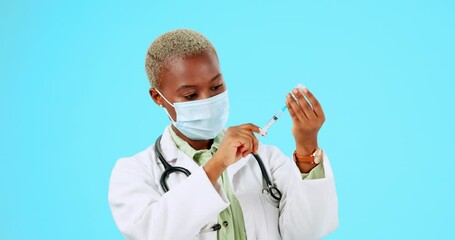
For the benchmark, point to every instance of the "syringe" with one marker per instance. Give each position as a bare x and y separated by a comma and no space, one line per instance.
263,131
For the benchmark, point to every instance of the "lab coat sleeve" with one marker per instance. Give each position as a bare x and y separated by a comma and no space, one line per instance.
309,208
141,212
315,173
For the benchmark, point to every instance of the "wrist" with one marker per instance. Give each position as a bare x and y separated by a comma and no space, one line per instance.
307,162
214,168
217,161
305,150
305,167
307,145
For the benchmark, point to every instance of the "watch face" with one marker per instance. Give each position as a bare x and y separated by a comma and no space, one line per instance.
318,156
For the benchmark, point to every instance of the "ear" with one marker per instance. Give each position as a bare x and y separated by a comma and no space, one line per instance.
156,97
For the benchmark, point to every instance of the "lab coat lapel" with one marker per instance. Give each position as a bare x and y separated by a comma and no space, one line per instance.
168,148
234,168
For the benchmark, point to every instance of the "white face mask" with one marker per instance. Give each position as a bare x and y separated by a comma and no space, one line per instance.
201,119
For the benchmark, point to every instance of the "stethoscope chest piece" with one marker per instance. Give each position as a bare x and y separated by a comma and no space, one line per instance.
270,189
273,192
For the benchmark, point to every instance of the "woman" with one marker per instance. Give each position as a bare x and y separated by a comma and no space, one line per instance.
223,198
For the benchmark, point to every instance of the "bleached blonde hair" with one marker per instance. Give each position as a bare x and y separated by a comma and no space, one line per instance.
176,43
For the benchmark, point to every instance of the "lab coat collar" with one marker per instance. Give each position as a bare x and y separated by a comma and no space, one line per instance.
173,155
168,148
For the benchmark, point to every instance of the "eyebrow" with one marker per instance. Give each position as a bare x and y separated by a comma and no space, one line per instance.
191,86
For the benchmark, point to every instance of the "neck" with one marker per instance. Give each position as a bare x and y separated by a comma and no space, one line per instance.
196,144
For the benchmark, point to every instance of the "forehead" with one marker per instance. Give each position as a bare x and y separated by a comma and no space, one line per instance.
193,70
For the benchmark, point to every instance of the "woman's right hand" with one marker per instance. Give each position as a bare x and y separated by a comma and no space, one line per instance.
238,142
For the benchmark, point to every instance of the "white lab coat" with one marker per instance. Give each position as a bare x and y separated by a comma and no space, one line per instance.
142,211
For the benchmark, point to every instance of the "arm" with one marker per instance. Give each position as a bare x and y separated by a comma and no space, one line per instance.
309,208
307,117
142,212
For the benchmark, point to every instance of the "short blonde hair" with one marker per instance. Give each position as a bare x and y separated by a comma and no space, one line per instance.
176,43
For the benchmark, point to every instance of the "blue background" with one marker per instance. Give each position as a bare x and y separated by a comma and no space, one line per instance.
74,99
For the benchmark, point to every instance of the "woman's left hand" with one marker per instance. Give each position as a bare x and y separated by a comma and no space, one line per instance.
307,119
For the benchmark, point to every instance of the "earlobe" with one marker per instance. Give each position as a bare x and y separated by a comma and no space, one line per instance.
156,97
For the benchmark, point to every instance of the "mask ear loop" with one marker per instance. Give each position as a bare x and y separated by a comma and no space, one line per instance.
163,97
161,105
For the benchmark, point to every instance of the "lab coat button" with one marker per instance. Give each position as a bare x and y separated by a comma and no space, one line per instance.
225,224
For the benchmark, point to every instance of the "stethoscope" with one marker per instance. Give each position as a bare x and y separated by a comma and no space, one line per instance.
269,189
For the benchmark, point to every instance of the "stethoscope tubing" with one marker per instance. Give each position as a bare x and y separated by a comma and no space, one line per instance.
271,189
168,169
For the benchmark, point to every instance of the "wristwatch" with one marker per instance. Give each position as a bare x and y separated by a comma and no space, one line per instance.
314,158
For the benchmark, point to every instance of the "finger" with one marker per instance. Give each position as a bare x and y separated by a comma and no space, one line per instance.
255,144
253,140
251,127
246,139
304,104
315,103
295,109
243,150
290,110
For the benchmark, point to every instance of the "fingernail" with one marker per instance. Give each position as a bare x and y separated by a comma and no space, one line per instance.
294,91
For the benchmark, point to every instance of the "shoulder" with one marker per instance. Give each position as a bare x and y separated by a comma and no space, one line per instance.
132,176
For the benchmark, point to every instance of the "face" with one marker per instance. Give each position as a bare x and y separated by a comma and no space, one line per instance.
188,79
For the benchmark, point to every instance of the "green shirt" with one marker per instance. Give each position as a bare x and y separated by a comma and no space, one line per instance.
231,218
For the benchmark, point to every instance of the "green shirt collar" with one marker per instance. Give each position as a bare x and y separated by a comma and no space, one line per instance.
190,151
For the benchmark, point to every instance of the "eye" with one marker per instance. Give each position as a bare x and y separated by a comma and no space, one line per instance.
190,96
216,87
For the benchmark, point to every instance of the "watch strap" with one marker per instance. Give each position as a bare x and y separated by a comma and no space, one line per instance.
309,159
